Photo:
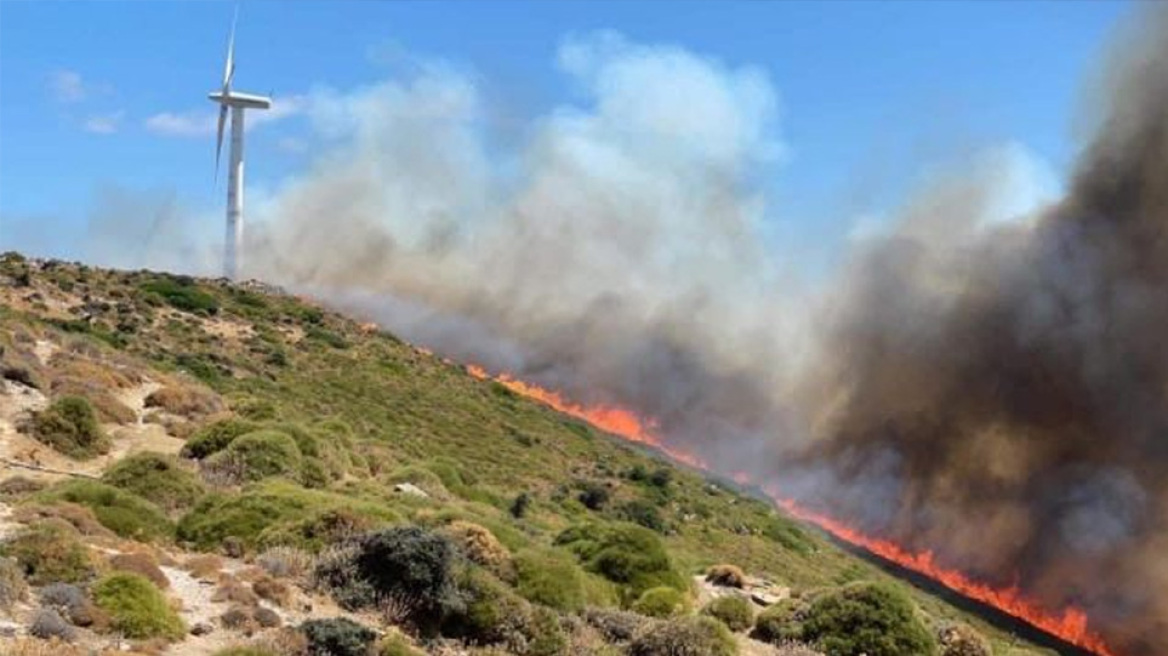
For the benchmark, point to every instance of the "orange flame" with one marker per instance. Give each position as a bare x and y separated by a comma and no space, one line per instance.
1069,626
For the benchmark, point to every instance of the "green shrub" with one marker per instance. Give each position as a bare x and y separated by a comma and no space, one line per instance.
215,437
631,556
491,614
322,528
407,566
396,645
260,506
686,636
550,578
70,426
735,612
157,477
182,293
781,623
259,455
643,513
593,495
337,637
136,608
866,618
49,551
126,514
661,602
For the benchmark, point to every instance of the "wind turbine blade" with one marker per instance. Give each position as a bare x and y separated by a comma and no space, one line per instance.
219,138
229,67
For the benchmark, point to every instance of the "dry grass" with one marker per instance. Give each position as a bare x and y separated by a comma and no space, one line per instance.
285,562
728,576
185,401
205,567
231,590
140,563
79,517
35,647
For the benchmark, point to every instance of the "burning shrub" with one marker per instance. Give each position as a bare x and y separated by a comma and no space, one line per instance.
687,636
550,578
661,602
735,612
136,608
126,514
867,618
69,425
727,576
49,551
337,637
157,477
961,640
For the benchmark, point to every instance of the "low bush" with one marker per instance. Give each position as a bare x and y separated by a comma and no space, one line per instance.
520,505
593,495
631,556
18,486
50,551
687,636
661,602
13,588
183,294
184,401
48,624
494,615
867,618
735,612
320,529
781,623
642,513
550,578
261,506
140,563
157,477
727,576
272,590
260,454
75,515
124,513
961,640
136,608
396,645
479,545
247,651
215,437
285,562
615,625
73,604
69,425
337,637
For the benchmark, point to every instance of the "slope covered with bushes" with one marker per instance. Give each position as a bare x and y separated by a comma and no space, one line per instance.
278,451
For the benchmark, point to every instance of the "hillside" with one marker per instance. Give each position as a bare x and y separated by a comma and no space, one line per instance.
261,461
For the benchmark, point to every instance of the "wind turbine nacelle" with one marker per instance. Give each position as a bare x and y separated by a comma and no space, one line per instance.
236,99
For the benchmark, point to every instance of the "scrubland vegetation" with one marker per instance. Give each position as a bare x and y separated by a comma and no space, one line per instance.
287,458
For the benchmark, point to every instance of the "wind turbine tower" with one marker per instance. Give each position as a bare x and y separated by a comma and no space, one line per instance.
236,102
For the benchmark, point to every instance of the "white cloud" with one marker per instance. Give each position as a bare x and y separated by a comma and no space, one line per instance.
67,86
104,123
203,122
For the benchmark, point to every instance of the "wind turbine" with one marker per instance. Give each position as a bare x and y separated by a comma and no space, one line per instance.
236,102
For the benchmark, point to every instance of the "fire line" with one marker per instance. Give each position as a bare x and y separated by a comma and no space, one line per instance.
1070,626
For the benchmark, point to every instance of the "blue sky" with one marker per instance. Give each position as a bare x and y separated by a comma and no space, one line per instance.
108,95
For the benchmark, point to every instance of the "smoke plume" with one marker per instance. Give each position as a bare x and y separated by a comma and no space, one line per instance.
989,386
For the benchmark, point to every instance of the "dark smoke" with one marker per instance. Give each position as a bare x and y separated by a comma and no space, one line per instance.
1008,403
